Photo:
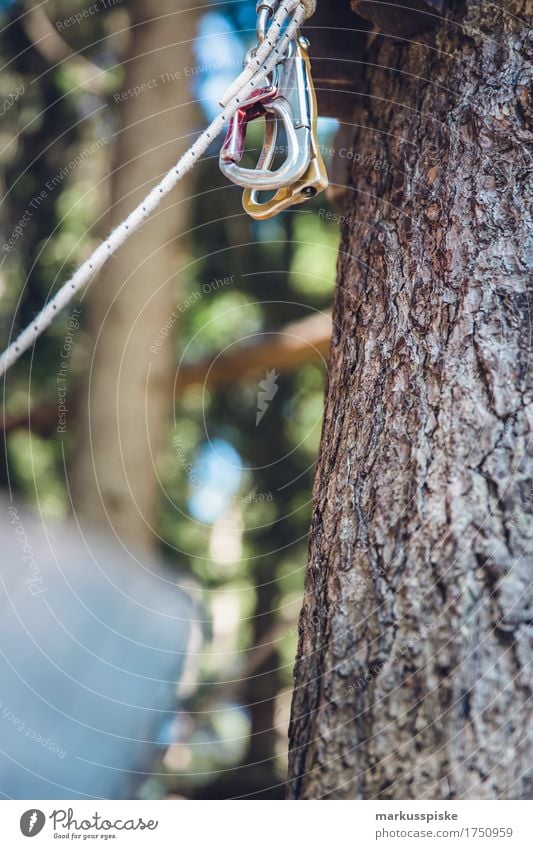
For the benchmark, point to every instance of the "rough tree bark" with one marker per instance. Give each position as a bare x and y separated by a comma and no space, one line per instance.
126,412
410,676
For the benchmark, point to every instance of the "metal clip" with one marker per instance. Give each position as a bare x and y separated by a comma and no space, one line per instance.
290,106
290,101
313,181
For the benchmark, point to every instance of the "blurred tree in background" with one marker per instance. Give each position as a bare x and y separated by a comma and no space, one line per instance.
178,405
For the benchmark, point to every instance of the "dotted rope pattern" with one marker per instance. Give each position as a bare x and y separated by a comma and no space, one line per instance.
259,66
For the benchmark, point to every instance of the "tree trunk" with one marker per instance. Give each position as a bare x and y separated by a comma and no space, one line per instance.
410,676
129,397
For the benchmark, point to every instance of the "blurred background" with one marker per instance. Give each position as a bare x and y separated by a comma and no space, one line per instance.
175,408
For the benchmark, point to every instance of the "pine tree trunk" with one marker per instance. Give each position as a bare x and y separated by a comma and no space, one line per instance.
410,676
129,397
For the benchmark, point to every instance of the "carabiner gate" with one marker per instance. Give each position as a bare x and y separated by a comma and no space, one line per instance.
232,150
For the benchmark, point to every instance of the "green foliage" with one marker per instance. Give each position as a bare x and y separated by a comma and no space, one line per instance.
315,257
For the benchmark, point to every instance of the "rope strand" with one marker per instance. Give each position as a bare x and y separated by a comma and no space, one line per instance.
248,80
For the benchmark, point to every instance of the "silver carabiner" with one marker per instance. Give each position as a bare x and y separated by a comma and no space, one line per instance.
313,181
290,106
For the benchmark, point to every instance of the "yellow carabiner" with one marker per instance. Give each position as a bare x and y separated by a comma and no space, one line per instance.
315,178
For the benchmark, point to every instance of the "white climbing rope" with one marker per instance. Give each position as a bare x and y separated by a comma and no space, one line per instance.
259,66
